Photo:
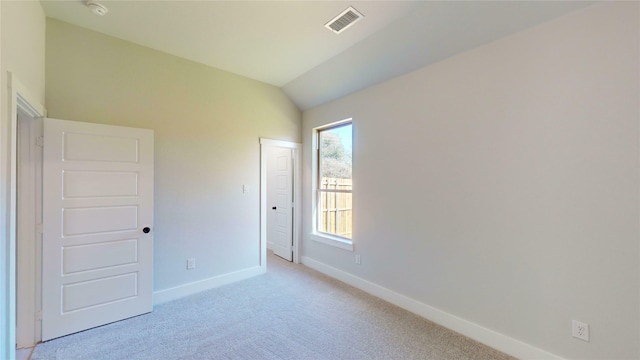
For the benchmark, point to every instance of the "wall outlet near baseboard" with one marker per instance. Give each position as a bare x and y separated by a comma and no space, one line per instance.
580,330
191,263
358,259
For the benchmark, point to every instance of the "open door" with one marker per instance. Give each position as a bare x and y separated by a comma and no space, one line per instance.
280,201
97,252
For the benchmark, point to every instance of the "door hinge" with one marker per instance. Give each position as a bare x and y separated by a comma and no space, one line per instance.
39,315
40,141
39,229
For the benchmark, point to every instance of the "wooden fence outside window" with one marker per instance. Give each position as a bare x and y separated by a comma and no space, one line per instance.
336,207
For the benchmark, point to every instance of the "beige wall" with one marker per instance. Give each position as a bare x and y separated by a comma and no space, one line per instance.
22,47
207,126
502,185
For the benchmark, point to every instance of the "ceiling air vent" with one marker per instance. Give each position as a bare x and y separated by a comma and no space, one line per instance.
344,20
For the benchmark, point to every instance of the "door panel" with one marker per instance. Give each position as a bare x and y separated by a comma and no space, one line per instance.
93,147
98,292
97,198
99,184
76,258
280,184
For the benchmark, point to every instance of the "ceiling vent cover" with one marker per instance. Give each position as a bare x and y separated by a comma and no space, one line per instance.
346,18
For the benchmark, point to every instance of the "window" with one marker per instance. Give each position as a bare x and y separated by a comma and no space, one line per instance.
334,181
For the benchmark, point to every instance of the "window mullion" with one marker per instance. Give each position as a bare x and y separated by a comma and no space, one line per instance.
336,191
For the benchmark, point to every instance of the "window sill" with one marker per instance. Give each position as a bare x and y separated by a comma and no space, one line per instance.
332,241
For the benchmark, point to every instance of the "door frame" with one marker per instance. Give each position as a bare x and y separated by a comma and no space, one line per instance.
19,100
29,232
265,144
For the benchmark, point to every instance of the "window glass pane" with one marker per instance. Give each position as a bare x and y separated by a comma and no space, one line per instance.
334,215
335,181
336,158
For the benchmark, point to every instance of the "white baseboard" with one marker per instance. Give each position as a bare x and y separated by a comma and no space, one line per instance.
269,245
474,331
162,296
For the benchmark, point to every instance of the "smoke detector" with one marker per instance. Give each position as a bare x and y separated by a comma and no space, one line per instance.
97,8
344,20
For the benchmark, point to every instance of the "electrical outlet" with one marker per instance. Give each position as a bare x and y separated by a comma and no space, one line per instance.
358,259
580,330
191,263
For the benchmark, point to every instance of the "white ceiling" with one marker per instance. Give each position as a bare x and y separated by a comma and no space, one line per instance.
285,43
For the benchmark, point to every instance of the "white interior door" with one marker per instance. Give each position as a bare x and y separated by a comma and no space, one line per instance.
97,215
280,202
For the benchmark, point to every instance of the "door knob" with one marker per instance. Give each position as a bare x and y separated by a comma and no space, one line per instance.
146,230
273,208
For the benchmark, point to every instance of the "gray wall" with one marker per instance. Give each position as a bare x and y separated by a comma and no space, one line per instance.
501,185
207,126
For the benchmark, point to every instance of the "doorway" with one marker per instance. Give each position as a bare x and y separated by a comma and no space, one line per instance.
278,159
23,110
95,187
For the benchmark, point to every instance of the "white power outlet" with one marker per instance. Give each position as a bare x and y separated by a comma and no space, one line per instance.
358,259
580,330
191,263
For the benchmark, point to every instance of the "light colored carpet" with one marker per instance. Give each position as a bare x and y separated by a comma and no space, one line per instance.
292,312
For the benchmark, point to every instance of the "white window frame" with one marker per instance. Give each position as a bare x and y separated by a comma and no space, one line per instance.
316,235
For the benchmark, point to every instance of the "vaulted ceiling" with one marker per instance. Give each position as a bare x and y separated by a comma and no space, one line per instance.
285,43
